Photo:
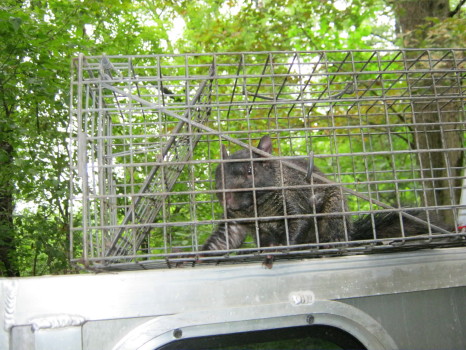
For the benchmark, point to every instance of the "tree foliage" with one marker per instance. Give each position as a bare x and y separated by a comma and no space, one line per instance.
39,39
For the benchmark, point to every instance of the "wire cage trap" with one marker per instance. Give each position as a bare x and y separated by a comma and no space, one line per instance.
386,128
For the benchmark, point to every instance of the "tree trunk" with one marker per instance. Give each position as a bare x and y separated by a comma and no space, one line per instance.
7,245
434,118
410,14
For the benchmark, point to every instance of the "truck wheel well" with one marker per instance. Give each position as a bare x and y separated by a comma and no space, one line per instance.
298,337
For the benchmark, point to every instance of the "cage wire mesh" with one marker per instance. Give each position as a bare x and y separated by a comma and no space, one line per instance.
386,127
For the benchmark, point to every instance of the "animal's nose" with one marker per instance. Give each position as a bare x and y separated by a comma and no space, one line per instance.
228,198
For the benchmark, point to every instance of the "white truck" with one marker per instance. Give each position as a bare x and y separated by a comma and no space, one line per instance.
405,300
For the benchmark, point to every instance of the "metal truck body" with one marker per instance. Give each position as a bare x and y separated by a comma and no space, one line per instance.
407,300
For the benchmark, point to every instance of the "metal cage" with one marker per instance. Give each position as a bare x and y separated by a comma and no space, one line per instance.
387,127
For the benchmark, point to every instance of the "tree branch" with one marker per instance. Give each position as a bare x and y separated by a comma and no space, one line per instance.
457,9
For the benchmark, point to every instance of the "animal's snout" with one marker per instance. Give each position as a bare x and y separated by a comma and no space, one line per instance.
228,198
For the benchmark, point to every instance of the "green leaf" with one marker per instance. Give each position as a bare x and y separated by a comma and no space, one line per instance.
16,23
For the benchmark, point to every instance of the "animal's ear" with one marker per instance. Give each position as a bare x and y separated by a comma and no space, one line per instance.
224,152
265,144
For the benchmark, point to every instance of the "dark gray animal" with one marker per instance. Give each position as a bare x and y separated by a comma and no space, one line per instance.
272,202
280,197
388,225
